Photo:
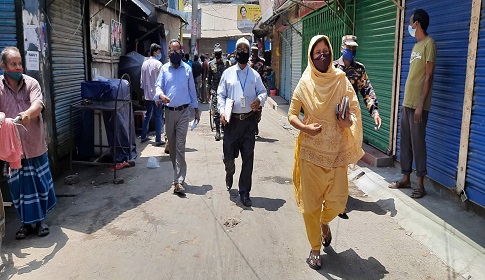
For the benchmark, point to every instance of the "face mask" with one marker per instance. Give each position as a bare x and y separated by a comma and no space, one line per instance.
242,57
159,56
233,60
218,55
412,31
15,74
322,62
349,55
175,58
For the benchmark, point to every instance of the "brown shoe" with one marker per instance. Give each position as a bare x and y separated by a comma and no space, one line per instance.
179,188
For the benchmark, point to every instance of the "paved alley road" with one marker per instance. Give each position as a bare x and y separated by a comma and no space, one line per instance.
141,230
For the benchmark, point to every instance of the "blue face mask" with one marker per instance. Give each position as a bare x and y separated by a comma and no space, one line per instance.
349,55
412,31
159,56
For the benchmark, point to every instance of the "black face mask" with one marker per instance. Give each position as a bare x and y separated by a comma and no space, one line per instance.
322,62
242,57
175,58
218,55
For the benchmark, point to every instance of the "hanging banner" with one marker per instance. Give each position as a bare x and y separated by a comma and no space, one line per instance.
247,15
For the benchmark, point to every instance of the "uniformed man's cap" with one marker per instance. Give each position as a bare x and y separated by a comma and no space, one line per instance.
217,47
350,40
254,46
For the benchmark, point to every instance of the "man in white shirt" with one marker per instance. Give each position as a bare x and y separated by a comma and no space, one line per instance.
149,74
243,85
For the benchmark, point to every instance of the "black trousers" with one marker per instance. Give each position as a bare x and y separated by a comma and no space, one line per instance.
239,137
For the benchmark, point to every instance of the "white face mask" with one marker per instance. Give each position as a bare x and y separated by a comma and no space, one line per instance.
412,31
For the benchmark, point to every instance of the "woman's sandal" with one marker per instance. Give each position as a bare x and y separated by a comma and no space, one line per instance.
326,235
23,232
313,261
42,229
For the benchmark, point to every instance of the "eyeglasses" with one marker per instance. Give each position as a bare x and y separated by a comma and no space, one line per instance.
175,51
246,50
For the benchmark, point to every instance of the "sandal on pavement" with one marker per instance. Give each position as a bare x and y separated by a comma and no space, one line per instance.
399,185
23,232
418,193
326,235
179,189
42,229
314,261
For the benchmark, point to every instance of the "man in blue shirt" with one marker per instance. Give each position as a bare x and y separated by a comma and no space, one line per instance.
176,90
149,74
242,86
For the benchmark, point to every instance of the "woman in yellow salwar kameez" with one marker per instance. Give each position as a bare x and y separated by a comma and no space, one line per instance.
325,146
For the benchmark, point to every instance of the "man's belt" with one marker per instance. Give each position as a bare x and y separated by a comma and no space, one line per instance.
179,108
243,116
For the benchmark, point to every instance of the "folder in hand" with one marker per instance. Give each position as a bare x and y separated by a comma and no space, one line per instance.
228,109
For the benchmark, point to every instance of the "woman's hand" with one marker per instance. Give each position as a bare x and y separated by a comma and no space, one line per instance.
313,129
346,122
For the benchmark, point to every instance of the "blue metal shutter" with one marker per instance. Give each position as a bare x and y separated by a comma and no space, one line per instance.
475,177
285,81
449,27
68,68
231,46
8,23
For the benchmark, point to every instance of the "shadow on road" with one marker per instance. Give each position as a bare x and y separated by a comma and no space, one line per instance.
349,265
267,140
55,241
442,202
198,190
95,201
380,207
269,204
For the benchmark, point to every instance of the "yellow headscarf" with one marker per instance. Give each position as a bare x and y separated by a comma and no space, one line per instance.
319,94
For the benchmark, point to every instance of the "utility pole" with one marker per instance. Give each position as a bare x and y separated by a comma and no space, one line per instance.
193,36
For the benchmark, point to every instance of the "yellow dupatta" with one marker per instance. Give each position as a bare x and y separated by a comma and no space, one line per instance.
319,94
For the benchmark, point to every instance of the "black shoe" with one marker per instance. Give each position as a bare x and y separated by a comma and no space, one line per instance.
228,182
246,201
218,136
158,144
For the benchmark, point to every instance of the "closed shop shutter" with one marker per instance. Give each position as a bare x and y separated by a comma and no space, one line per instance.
285,81
449,27
8,25
475,177
375,30
68,66
231,46
296,56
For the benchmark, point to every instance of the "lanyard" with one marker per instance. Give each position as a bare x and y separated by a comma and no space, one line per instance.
243,86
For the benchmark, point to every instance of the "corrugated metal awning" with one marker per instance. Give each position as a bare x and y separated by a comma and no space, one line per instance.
144,6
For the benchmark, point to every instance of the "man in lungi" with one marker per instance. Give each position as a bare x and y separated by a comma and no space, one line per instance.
31,186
